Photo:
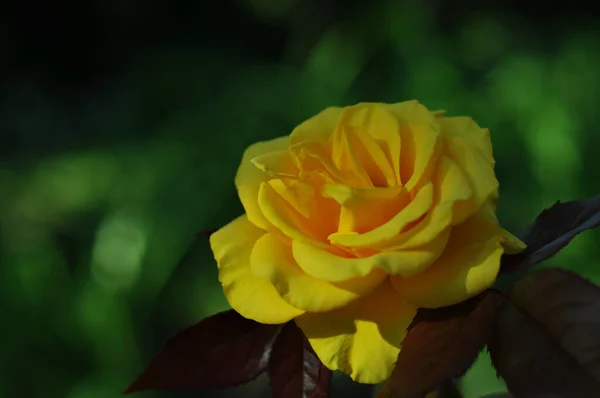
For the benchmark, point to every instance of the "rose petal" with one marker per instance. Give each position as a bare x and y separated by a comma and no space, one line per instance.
512,244
315,156
363,125
468,266
331,267
367,208
298,195
478,170
420,152
346,160
318,128
310,143
412,112
290,208
466,128
254,298
249,177
384,127
362,339
373,158
414,118
453,206
385,234
276,164
273,260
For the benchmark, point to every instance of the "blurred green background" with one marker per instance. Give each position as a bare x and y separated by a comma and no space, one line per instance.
123,124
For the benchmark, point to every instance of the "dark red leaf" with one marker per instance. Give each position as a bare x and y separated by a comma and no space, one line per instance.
441,344
552,230
222,350
295,371
546,341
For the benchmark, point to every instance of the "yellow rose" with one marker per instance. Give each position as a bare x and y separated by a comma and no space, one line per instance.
358,218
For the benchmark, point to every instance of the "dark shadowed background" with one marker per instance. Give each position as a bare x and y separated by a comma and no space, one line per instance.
122,124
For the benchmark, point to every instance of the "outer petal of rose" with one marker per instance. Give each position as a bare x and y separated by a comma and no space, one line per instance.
412,112
254,298
364,338
512,244
330,267
318,128
468,266
477,168
249,177
276,164
273,260
466,128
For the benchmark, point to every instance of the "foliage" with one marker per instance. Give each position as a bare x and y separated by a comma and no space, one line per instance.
105,179
542,334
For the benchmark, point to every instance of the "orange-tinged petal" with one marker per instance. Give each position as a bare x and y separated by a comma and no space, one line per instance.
331,267
289,208
367,208
273,260
298,195
364,338
249,177
254,298
384,235
452,194
468,266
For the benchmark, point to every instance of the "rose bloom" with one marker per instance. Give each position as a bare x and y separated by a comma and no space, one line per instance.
355,220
